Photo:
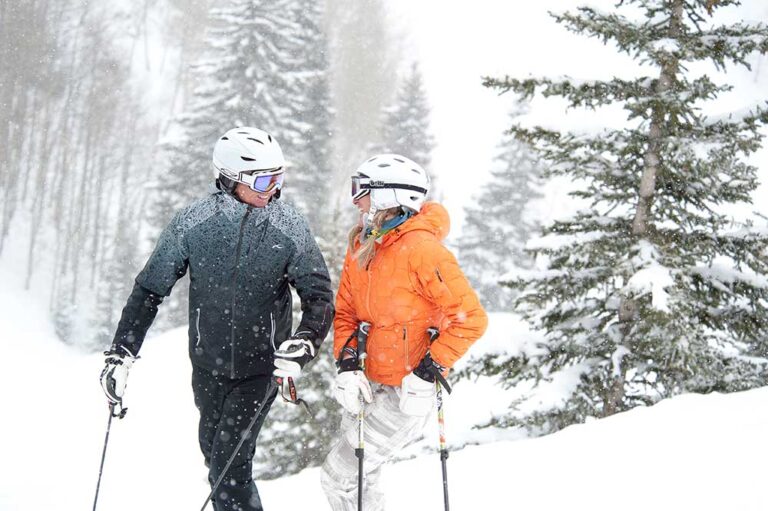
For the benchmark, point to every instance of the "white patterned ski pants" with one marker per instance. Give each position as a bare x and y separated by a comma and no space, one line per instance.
387,431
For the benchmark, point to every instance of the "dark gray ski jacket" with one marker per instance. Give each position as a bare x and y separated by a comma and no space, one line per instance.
241,261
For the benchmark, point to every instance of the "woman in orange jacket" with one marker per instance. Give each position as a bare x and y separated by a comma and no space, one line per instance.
400,279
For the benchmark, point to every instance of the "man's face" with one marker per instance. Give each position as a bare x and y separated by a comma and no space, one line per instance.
253,198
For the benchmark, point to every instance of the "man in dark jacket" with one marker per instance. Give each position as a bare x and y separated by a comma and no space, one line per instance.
243,248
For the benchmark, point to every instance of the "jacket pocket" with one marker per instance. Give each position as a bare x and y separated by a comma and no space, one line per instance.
197,329
272,328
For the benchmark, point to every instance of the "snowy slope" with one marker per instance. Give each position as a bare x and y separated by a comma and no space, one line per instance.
692,452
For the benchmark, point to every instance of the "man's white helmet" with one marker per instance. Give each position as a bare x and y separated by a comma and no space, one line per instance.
392,181
242,152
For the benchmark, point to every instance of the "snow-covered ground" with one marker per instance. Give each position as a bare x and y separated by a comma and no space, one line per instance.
692,452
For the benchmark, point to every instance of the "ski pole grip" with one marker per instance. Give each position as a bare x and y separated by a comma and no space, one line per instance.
362,340
434,333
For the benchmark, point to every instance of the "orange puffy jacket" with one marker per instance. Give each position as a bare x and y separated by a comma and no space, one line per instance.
412,283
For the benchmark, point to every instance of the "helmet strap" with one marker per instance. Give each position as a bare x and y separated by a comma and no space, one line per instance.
226,184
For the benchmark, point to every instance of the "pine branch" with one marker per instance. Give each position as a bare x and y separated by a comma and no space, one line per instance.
630,37
724,44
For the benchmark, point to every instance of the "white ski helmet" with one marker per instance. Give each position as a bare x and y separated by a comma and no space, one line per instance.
392,181
249,156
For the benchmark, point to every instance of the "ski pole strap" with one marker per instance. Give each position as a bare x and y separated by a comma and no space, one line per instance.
117,410
440,378
347,349
434,333
293,395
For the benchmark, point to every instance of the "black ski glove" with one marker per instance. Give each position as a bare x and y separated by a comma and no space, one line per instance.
350,363
115,373
428,368
292,356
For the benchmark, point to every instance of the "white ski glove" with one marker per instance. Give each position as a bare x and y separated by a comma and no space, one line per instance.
291,356
417,396
115,373
348,388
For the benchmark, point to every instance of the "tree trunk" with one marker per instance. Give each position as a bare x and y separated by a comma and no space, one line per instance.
655,134
39,193
628,309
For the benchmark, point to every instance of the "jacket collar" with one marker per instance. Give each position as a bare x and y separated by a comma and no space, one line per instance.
432,218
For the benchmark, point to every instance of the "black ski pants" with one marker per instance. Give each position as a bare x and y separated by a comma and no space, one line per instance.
226,408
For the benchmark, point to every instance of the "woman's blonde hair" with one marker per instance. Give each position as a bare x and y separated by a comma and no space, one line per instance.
364,254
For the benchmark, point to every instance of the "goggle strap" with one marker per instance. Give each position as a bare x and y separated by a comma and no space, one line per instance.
368,186
259,173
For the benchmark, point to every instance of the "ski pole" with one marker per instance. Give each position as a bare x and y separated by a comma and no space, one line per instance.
362,339
434,333
119,415
270,388
443,446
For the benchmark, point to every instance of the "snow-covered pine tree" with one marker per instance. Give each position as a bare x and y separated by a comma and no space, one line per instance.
264,65
653,290
405,127
364,60
497,225
238,83
306,131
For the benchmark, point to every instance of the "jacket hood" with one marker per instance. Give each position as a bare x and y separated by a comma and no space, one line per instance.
432,218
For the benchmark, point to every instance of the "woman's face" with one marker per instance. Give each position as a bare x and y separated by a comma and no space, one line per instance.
363,203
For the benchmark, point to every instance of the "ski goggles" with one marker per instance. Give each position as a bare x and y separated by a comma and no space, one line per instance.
360,187
263,180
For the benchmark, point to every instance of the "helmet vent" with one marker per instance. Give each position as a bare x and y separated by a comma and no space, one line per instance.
243,133
398,159
256,140
224,138
382,165
372,159
269,137
245,158
416,171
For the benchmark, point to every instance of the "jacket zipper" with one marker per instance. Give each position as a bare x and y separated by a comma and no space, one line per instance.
368,273
197,326
272,331
407,351
234,288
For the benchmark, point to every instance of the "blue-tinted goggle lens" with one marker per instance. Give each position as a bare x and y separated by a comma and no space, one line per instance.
263,182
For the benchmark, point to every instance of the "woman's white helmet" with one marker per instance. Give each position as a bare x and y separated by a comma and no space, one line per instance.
242,152
392,180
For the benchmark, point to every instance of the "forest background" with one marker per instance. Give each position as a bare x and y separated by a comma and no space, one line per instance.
110,110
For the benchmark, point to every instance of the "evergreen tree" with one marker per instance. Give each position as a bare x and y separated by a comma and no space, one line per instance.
652,291
498,223
364,63
307,130
406,125
265,65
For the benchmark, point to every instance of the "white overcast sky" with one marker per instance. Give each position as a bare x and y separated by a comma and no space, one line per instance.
458,42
